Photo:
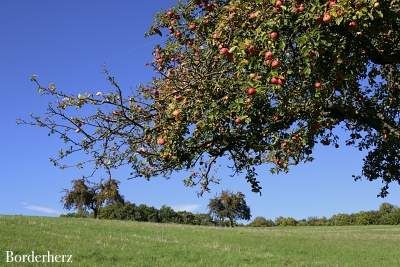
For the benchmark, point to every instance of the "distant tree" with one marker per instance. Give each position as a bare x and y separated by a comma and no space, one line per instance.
203,219
229,205
186,217
261,222
146,214
167,215
86,196
367,218
342,219
386,208
282,221
391,218
118,211
315,221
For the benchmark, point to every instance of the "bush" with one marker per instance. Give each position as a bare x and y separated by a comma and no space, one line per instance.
387,208
367,218
203,219
282,221
118,211
315,221
392,218
261,222
167,215
341,219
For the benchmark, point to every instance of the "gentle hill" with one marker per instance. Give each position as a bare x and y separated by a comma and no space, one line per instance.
123,243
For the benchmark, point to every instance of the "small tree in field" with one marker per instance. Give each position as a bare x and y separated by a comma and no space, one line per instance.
231,206
85,196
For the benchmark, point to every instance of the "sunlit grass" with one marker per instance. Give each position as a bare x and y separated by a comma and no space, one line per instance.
122,243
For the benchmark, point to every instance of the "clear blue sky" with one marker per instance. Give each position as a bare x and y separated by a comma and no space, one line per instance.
67,42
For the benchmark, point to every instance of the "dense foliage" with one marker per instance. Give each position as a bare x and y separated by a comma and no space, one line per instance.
103,200
230,206
85,196
387,214
259,82
144,213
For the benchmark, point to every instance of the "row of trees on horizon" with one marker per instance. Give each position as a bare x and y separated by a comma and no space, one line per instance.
102,200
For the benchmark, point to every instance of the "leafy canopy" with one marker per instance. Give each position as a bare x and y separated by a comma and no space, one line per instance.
259,82
85,196
231,206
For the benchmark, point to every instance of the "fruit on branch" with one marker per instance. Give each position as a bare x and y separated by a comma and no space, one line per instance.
275,64
300,9
192,26
176,112
331,3
225,70
224,51
275,80
251,50
251,91
326,17
268,55
353,24
274,35
161,141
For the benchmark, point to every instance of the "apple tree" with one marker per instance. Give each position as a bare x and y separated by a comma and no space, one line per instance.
259,82
231,206
85,196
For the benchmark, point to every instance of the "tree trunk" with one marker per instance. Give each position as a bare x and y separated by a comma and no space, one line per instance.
95,211
231,222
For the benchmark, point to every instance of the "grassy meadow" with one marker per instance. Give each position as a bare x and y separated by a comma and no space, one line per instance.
122,243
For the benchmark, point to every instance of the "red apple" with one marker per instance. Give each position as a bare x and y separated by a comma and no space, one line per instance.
253,15
275,80
176,112
238,120
276,118
192,26
331,3
268,55
326,18
275,63
161,141
274,35
278,3
178,34
353,24
210,7
251,49
300,8
189,42
224,51
317,85
251,91
171,13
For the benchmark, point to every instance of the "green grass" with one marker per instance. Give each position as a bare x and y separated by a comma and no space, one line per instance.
119,243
